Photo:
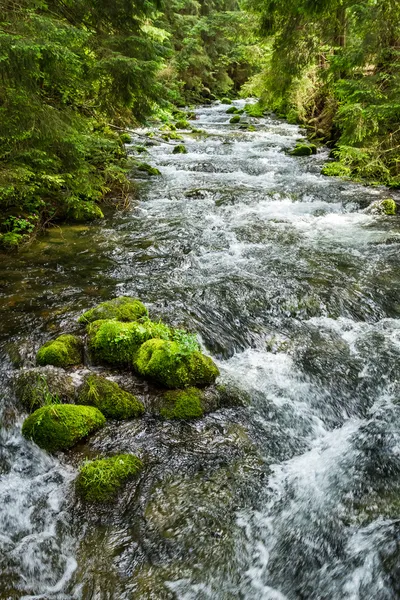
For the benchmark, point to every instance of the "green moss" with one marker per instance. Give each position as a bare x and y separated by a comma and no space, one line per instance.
141,149
61,426
81,212
109,398
169,363
235,119
226,101
232,110
179,149
302,150
148,169
389,206
336,169
251,128
38,387
182,404
99,480
123,308
182,124
64,351
125,138
114,342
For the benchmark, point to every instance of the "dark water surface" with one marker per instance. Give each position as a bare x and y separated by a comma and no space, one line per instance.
295,291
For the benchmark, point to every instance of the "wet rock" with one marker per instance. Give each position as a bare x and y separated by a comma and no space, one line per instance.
232,110
61,426
234,119
64,351
123,308
170,364
109,398
303,150
182,404
146,168
39,386
100,480
382,207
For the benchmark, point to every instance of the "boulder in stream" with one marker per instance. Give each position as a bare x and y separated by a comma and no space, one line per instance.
109,398
174,365
61,426
64,351
36,387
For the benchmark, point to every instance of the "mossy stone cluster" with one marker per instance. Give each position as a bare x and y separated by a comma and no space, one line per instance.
122,309
99,480
231,110
235,119
304,150
61,426
168,363
182,404
109,398
116,343
64,351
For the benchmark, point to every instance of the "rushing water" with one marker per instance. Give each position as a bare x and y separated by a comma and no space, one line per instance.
295,289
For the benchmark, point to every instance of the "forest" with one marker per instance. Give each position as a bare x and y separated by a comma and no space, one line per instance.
75,73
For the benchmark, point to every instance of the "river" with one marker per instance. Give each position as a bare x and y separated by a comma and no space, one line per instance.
294,289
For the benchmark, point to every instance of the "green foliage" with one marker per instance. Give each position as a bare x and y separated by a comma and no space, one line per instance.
64,351
99,480
171,364
109,398
182,404
336,169
122,308
61,426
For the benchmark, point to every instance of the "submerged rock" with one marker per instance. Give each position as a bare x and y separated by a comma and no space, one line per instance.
64,351
169,363
61,426
36,387
109,398
122,308
99,480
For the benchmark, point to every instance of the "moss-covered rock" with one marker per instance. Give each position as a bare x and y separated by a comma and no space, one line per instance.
303,150
235,119
382,207
64,351
36,387
179,149
182,124
109,398
82,212
99,480
116,343
123,308
226,101
232,110
182,404
125,138
336,169
170,364
61,426
146,168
